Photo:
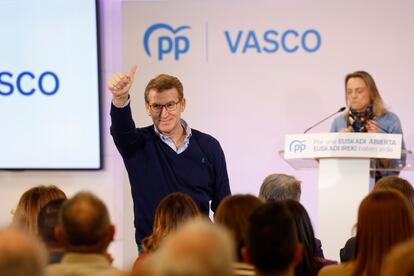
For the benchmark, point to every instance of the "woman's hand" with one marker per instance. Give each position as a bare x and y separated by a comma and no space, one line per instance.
348,129
372,126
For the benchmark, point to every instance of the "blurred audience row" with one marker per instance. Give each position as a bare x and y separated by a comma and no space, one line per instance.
271,234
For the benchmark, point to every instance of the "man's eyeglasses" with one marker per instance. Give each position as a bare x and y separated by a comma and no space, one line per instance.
171,106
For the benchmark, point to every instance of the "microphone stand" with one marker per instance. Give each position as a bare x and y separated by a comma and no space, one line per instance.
324,119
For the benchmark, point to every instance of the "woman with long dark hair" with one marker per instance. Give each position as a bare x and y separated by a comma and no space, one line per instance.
311,262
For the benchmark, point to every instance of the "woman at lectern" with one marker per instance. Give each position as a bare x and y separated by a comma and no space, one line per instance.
366,113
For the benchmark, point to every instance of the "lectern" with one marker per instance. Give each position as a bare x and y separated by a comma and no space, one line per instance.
345,163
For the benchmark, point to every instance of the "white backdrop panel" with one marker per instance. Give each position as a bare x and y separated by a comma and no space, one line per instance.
249,100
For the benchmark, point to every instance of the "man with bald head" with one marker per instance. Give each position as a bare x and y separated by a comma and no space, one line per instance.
85,231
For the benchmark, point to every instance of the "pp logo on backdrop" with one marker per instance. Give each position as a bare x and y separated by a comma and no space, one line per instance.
297,146
169,42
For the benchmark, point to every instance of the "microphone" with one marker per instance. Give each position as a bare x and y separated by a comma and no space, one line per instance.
324,119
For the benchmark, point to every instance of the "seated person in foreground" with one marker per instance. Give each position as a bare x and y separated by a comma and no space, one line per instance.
385,183
47,221
280,186
29,205
197,248
311,262
174,210
86,232
384,220
233,213
272,245
21,254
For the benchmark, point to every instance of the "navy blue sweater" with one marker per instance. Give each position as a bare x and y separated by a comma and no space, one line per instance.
155,170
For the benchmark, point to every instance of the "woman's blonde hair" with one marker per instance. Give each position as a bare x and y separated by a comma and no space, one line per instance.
173,210
30,203
377,103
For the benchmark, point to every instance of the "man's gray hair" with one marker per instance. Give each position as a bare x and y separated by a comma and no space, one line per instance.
198,248
280,187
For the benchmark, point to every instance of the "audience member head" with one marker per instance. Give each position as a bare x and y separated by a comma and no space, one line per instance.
305,234
233,212
21,254
400,261
30,203
399,184
272,245
384,219
84,224
280,187
48,220
198,248
175,209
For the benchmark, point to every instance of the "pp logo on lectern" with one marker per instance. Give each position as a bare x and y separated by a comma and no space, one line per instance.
172,43
297,146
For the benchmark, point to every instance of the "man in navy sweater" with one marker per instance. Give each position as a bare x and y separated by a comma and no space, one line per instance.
167,156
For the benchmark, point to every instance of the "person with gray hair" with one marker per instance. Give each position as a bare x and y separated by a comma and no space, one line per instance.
198,248
280,187
277,187
21,254
85,231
